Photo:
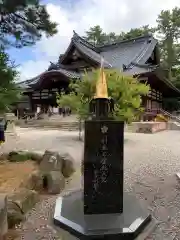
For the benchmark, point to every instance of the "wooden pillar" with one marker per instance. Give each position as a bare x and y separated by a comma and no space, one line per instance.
31,102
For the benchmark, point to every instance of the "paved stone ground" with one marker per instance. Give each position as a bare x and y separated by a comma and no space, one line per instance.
151,162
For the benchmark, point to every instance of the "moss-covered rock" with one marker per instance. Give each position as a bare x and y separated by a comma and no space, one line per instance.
20,156
14,214
24,198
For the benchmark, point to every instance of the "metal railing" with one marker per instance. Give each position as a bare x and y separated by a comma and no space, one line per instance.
171,116
163,112
151,113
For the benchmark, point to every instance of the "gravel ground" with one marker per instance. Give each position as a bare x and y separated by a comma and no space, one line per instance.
151,162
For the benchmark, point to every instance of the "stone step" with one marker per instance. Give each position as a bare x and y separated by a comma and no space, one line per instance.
52,127
174,126
69,126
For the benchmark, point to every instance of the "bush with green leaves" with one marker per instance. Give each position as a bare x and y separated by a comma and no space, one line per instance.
125,90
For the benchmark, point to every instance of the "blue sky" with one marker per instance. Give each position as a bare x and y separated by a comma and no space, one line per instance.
80,15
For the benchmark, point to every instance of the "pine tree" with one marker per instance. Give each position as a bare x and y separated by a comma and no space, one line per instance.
22,22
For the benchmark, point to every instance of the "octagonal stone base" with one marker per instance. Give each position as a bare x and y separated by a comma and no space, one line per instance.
69,216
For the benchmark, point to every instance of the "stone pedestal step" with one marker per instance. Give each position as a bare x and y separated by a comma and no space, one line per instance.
69,126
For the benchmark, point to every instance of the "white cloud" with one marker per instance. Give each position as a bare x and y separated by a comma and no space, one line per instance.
114,15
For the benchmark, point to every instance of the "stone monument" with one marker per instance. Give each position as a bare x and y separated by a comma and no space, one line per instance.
102,210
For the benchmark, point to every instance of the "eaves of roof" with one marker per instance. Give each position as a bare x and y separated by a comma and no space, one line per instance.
67,73
26,84
171,85
136,70
32,82
163,78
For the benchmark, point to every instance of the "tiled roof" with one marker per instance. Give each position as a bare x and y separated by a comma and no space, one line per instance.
125,52
85,48
28,83
131,54
67,73
116,55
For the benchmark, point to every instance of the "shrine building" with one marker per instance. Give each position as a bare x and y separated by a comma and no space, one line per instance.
139,57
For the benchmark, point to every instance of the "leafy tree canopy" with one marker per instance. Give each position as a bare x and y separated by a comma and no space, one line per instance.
168,27
9,92
96,36
125,90
22,22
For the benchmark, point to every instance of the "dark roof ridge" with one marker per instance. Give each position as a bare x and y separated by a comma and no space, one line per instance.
56,66
66,52
78,38
125,41
85,50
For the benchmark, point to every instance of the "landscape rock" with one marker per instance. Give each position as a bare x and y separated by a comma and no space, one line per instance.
37,157
55,182
3,157
51,161
34,182
24,198
14,214
3,216
68,167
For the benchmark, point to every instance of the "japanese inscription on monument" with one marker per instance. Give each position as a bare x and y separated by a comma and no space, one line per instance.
100,176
